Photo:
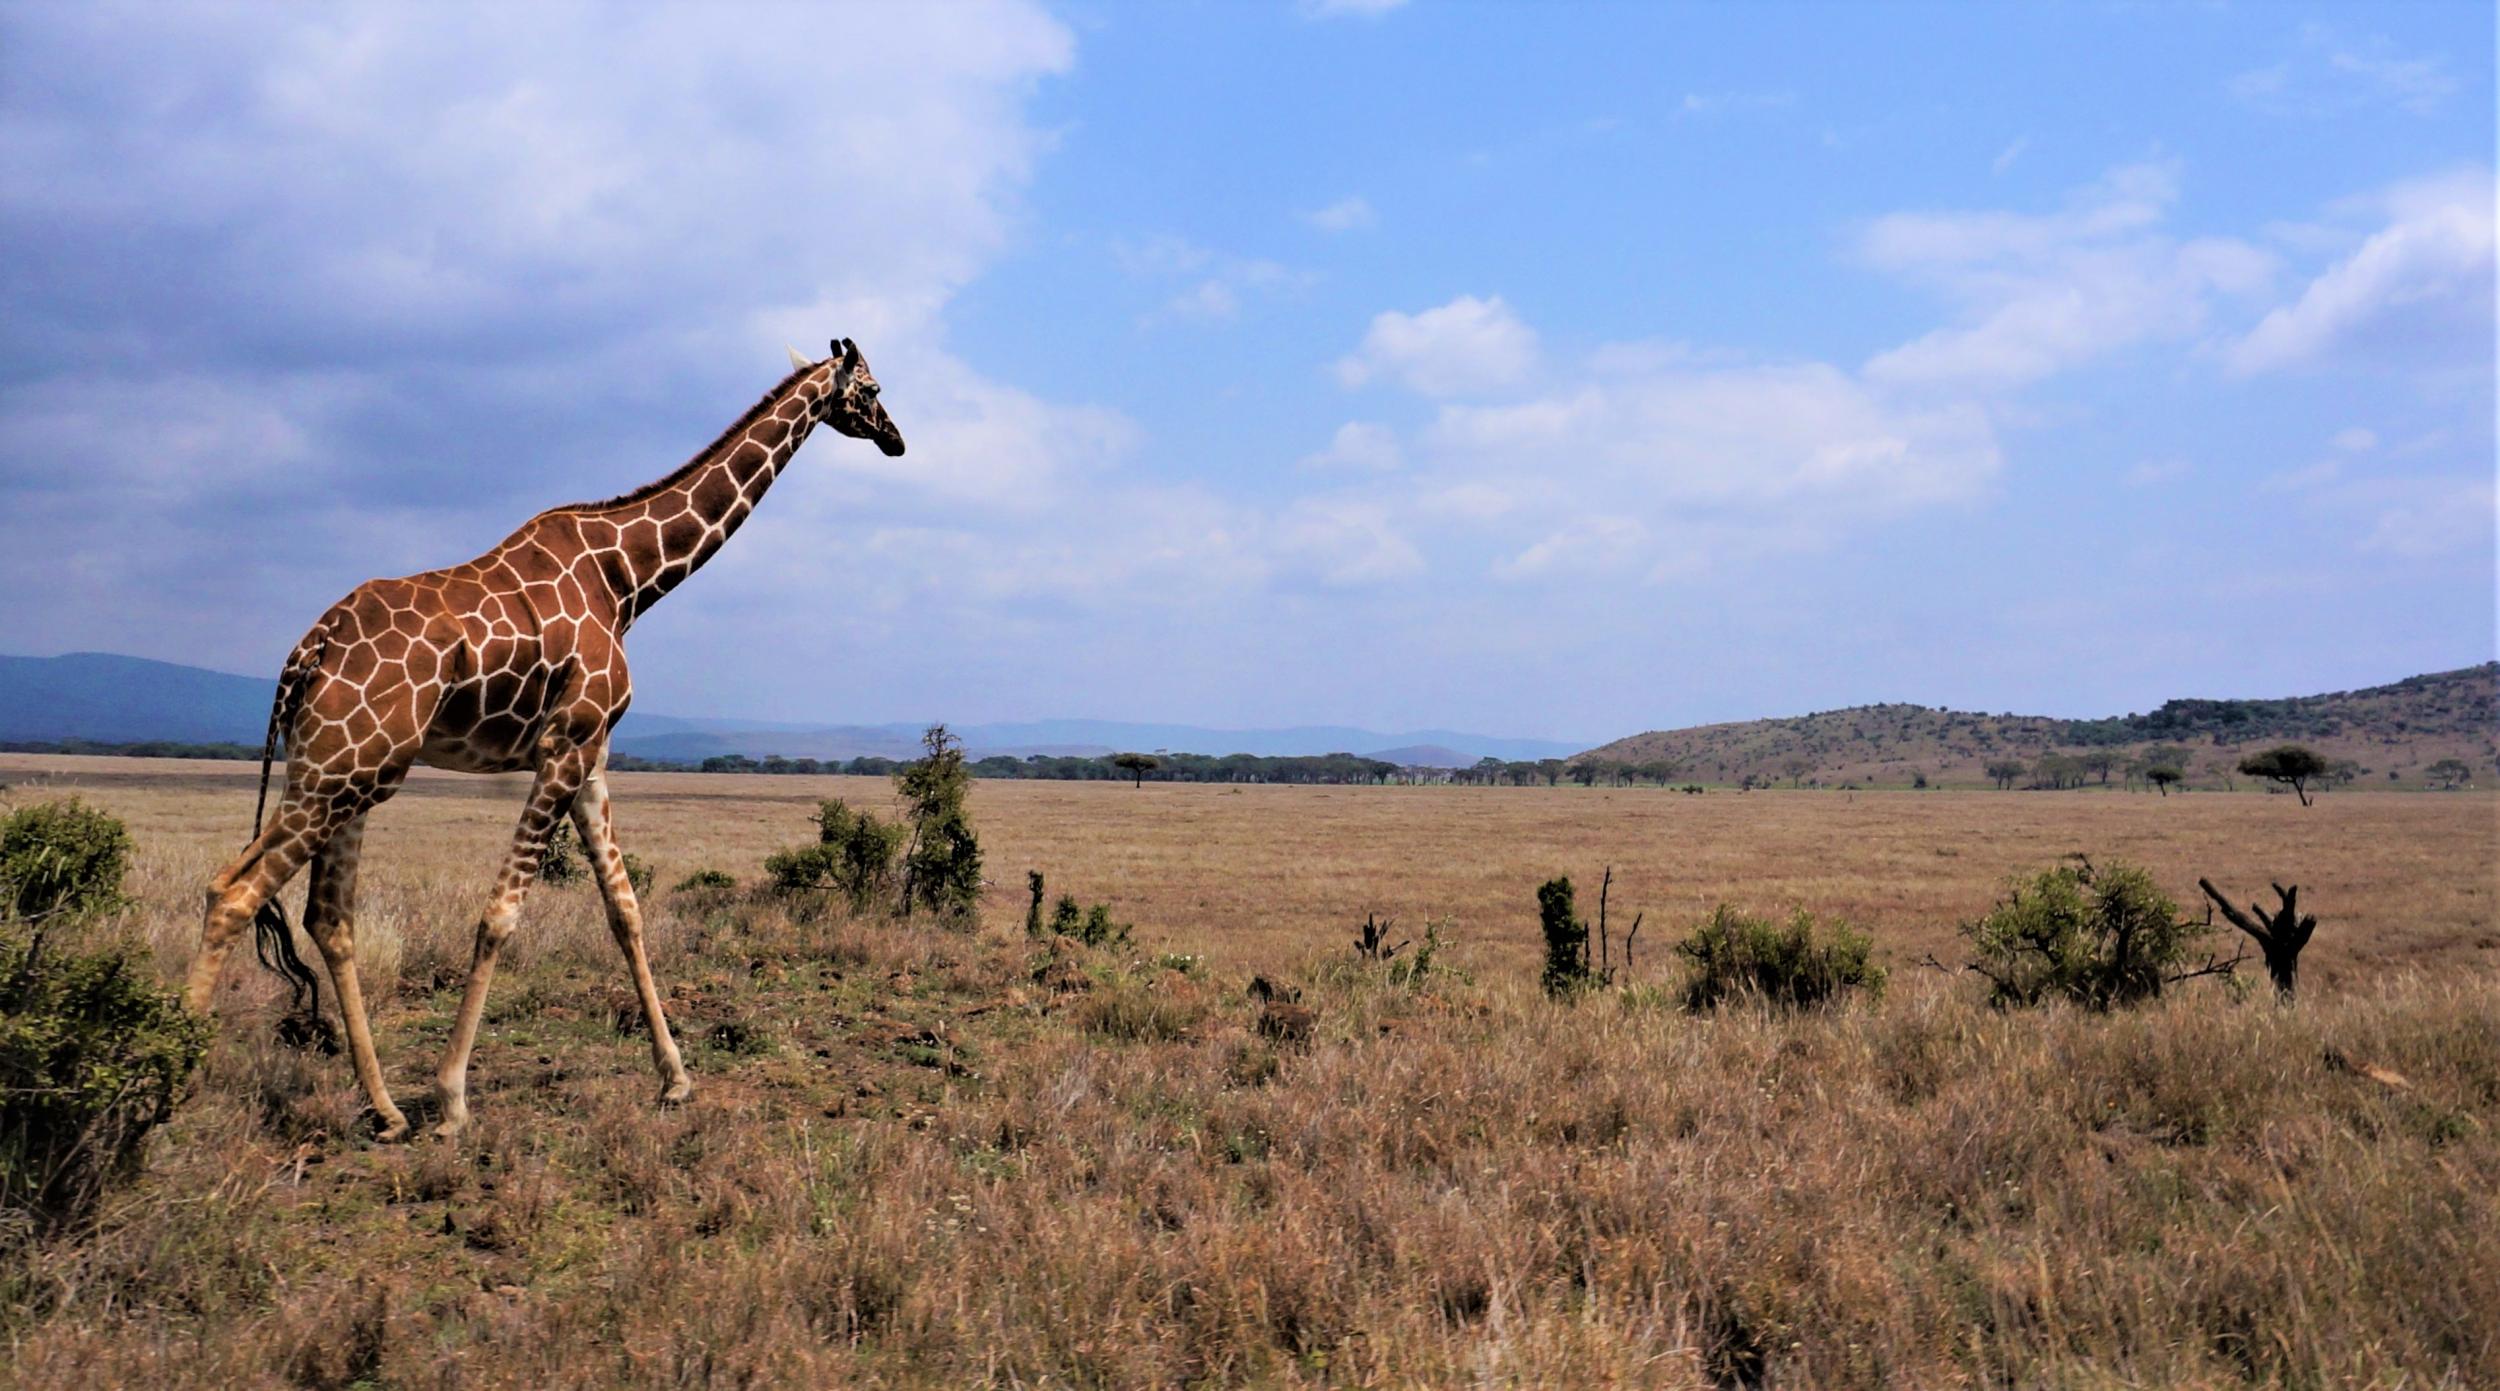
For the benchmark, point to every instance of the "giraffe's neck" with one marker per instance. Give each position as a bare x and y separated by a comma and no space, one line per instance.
666,530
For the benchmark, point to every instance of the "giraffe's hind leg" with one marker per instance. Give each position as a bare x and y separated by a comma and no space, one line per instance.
330,919
591,817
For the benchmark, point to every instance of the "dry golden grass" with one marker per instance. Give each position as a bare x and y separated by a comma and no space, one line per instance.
1255,876
921,1159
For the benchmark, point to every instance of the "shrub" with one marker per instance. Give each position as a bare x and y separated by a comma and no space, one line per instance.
706,879
1740,958
61,859
854,853
2100,936
562,862
1425,961
92,1057
1094,926
1566,940
637,874
942,869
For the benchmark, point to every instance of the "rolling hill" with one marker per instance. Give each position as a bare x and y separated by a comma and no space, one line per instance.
103,697
2397,729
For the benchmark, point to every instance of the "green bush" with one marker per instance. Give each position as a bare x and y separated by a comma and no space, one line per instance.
562,862
1736,958
61,859
637,874
854,854
942,870
706,879
1425,961
92,1057
2100,936
1567,971
1094,926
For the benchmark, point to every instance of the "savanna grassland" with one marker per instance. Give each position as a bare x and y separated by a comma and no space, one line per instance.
928,1158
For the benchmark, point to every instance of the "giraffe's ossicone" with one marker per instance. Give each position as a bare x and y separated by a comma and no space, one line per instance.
514,660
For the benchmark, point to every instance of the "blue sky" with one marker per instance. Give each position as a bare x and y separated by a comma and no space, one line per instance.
1548,370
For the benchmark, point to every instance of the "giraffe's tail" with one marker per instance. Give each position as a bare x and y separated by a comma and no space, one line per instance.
273,937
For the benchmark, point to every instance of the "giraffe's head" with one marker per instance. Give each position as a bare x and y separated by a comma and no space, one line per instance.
850,405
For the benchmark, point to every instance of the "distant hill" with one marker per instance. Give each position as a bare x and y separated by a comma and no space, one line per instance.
2401,728
114,699
105,698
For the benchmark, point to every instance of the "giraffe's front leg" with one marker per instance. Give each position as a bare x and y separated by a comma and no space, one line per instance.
560,775
590,815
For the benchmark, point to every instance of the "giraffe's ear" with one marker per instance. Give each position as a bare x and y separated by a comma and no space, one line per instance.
798,359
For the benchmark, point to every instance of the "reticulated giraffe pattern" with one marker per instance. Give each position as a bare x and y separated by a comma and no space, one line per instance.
514,660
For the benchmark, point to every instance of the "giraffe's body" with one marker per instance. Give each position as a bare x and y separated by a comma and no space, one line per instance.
514,660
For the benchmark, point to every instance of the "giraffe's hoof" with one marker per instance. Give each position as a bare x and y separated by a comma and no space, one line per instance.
391,1129
675,1093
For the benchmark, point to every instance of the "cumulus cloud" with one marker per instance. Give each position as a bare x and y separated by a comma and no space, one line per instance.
1348,214
1656,457
1344,9
2435,517
2421,282
1466,345
1361,446
384,277
2330,73
2039,294
1346,541
1213,284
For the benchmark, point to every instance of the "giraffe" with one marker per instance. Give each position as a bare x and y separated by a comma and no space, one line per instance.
514,660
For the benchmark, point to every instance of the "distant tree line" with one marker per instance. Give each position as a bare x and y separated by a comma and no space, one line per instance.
147,748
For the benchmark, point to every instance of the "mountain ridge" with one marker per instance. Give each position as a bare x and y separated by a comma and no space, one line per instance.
2396,728
105,697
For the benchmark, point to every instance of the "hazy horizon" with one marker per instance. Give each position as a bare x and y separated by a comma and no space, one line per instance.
1551,373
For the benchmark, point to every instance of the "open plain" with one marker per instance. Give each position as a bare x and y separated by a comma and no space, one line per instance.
928,1158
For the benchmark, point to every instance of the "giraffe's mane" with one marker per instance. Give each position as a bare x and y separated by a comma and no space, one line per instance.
679,474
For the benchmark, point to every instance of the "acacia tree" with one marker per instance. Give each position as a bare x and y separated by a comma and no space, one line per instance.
1136,765
942,867
2162,775
2100,761
2290,764
2448,772
2005,770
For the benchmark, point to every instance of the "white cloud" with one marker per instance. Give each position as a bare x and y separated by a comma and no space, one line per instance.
1218,283
1796,442
2425,278
2006,157
1721,103
1586,544
2302,479
2355,440
1361,446
1340,9
2042,293
2329,74
1345,542
2148,472
1347,214
508,282
1466,346
2440,516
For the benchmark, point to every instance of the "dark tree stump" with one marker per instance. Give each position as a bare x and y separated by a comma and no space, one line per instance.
2280,934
